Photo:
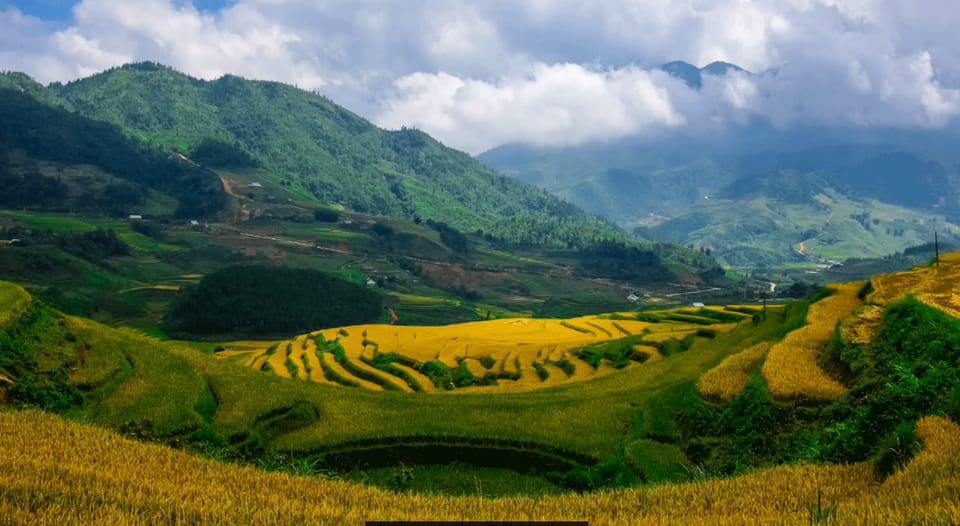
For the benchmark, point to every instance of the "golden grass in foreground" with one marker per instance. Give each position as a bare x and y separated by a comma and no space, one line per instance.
730,376
102,478
791,368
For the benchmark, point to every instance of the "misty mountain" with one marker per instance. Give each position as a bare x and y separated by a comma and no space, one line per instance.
753,194
693,75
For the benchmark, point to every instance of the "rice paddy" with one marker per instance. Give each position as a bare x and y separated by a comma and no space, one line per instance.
791,367
508,355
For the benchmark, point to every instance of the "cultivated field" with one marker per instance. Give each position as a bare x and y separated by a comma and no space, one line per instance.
516,354
938,286
791,368
728,379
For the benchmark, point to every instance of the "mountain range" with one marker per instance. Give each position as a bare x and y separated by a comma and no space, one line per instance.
757,194
298,138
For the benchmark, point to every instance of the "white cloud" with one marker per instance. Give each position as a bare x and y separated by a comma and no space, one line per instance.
477,74
558,104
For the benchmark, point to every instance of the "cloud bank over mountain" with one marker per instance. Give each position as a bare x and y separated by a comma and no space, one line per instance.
480,74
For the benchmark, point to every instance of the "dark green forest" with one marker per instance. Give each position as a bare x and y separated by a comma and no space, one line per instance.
260,301
54,134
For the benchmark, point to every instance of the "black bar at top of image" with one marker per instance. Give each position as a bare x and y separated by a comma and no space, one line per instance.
477,523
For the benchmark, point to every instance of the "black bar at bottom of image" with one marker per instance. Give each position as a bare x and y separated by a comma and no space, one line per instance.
477,523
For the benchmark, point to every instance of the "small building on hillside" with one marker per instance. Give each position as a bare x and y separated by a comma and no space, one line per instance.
633,297
697,304
254,185
135,217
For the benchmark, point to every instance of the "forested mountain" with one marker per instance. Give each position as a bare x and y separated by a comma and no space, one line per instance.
313,145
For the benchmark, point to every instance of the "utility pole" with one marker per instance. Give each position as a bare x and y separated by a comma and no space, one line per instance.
936,247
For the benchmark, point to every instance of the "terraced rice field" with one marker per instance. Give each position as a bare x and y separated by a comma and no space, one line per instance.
728,379
791,367
517,354
937,286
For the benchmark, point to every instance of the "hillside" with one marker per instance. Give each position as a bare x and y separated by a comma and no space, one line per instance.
53,159
650,396
314,147
753,194
261,165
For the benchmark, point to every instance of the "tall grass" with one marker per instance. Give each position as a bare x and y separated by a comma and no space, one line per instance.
103,478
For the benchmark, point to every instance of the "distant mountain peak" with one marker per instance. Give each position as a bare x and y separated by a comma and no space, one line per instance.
693,76
684,71
721,68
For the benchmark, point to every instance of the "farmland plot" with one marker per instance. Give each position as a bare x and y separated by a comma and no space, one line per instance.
517,354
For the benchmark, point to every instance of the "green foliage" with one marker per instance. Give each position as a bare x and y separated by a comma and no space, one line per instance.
29,188
909,370
260,301
609,259
54,134
215,153
865,290
385,361
439,374
617,352
461,375
542,371
487,361
564,365
34,355
326,215
94,245
575,327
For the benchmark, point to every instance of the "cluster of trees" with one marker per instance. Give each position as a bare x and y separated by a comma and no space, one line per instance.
213,152
453,238
617,260
29,189
326,215
258,301
94,245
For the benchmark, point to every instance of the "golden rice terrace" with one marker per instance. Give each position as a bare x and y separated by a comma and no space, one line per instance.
516,354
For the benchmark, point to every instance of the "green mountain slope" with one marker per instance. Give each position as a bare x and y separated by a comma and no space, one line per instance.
35,136
321,149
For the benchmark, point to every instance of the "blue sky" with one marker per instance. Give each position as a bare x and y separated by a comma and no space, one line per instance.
60,11
477,74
